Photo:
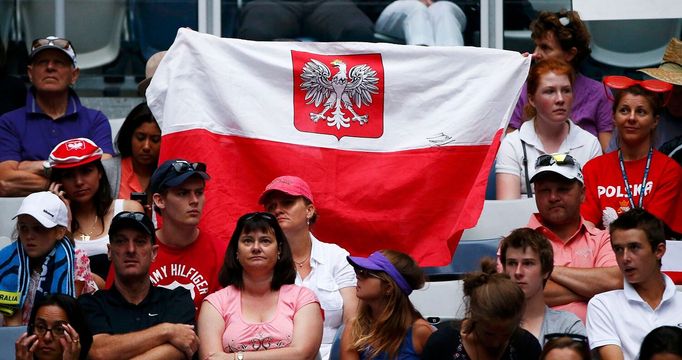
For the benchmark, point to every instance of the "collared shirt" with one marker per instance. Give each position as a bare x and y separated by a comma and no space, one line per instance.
591,109
108,312
623,318
330,272
589,247
30,134
580,144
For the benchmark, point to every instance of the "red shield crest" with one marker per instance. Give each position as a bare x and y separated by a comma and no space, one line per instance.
339,95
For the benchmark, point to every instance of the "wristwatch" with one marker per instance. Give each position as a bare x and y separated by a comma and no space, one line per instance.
47,169
240,355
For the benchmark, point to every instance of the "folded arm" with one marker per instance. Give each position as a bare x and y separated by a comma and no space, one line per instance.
153,340
588,282
21,178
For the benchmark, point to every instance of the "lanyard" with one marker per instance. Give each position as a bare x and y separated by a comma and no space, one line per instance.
627,183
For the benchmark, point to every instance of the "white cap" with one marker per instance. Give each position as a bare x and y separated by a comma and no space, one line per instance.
45,207
562,164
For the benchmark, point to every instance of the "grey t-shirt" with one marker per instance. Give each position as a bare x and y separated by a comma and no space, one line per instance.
562,322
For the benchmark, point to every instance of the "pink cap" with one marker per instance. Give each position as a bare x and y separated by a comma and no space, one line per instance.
292,185
74,152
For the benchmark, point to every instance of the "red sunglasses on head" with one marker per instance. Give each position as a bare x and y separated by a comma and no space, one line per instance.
618,82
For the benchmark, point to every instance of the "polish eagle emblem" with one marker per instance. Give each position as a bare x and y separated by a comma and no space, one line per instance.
341,91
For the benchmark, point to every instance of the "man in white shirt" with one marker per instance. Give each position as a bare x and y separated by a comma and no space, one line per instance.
618,320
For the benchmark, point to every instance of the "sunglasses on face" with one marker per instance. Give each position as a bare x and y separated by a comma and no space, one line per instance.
182,166
618,82
57,331
364,273
51,41
551,159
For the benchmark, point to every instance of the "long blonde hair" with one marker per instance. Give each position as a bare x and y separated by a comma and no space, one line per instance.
385,332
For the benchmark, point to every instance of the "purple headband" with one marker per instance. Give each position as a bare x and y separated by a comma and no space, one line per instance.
378,262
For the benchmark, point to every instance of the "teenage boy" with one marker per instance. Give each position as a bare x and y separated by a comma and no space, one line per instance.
188,257
527,258
618,320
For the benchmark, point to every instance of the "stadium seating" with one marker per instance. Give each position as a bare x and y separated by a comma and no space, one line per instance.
115,127
8,208
8,335
94,27
155,22
632,43
6,10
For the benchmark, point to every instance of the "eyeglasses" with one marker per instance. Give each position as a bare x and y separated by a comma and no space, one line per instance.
51,41
364,273
575,337
618,82
182,166
57,331
262,215
551,159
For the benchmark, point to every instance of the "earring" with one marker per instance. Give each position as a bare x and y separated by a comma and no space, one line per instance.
307,221
279,256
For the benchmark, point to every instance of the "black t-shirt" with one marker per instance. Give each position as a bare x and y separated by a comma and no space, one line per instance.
108,312
446,343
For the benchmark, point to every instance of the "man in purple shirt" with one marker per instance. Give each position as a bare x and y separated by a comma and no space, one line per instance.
53,113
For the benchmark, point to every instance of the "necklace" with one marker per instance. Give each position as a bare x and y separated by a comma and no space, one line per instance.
300,263
86,236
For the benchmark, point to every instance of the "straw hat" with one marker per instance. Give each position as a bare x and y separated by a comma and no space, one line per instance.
670,69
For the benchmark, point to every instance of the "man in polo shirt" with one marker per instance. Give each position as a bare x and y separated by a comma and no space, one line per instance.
53,113
134,318
584,263
618,320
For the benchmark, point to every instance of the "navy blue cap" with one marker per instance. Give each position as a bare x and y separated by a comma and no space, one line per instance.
174,172
132,220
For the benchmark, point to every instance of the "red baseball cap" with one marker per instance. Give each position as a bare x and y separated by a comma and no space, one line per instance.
74,152
292,185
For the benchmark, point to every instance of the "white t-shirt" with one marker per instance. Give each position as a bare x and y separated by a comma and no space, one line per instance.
622,318
579,143
330,273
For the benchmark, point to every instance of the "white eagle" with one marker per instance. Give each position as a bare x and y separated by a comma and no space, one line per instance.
341,89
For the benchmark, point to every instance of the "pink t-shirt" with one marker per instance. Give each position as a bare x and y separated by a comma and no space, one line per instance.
240,335
589,247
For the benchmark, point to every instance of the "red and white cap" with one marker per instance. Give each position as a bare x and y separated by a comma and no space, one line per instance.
74,152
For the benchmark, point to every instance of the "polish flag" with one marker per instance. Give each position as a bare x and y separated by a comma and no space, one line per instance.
395,141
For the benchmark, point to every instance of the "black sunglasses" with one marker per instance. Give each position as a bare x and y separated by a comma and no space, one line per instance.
551,159
259,215
364,273
58,42
139,217
182,166
574,337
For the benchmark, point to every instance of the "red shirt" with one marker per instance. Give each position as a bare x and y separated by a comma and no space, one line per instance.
606,196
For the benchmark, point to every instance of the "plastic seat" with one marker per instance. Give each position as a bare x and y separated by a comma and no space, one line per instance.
156,22
500,217
632,43
8,208
8,336
93,26
6,11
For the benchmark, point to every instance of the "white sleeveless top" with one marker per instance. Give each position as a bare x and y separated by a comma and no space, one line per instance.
99,246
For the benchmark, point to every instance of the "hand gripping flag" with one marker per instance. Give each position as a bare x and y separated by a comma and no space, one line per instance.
395,141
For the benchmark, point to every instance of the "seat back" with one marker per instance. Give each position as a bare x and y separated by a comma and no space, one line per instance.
8,336
632,43
93,26
8,208
500,217
156,22
6,12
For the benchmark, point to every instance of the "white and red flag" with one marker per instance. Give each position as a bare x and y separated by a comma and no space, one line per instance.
395,141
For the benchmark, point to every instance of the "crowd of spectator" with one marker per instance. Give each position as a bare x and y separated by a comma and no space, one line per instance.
120,232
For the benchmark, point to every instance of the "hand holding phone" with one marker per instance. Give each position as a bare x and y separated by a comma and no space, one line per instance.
140,197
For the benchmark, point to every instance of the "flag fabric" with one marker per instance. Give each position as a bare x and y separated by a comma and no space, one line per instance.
395,141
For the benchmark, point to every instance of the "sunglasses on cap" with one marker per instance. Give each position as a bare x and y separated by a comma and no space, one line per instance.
618,82
138,217
551,159
52,41
182,166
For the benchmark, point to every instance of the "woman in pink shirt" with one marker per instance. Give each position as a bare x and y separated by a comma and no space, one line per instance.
260,313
